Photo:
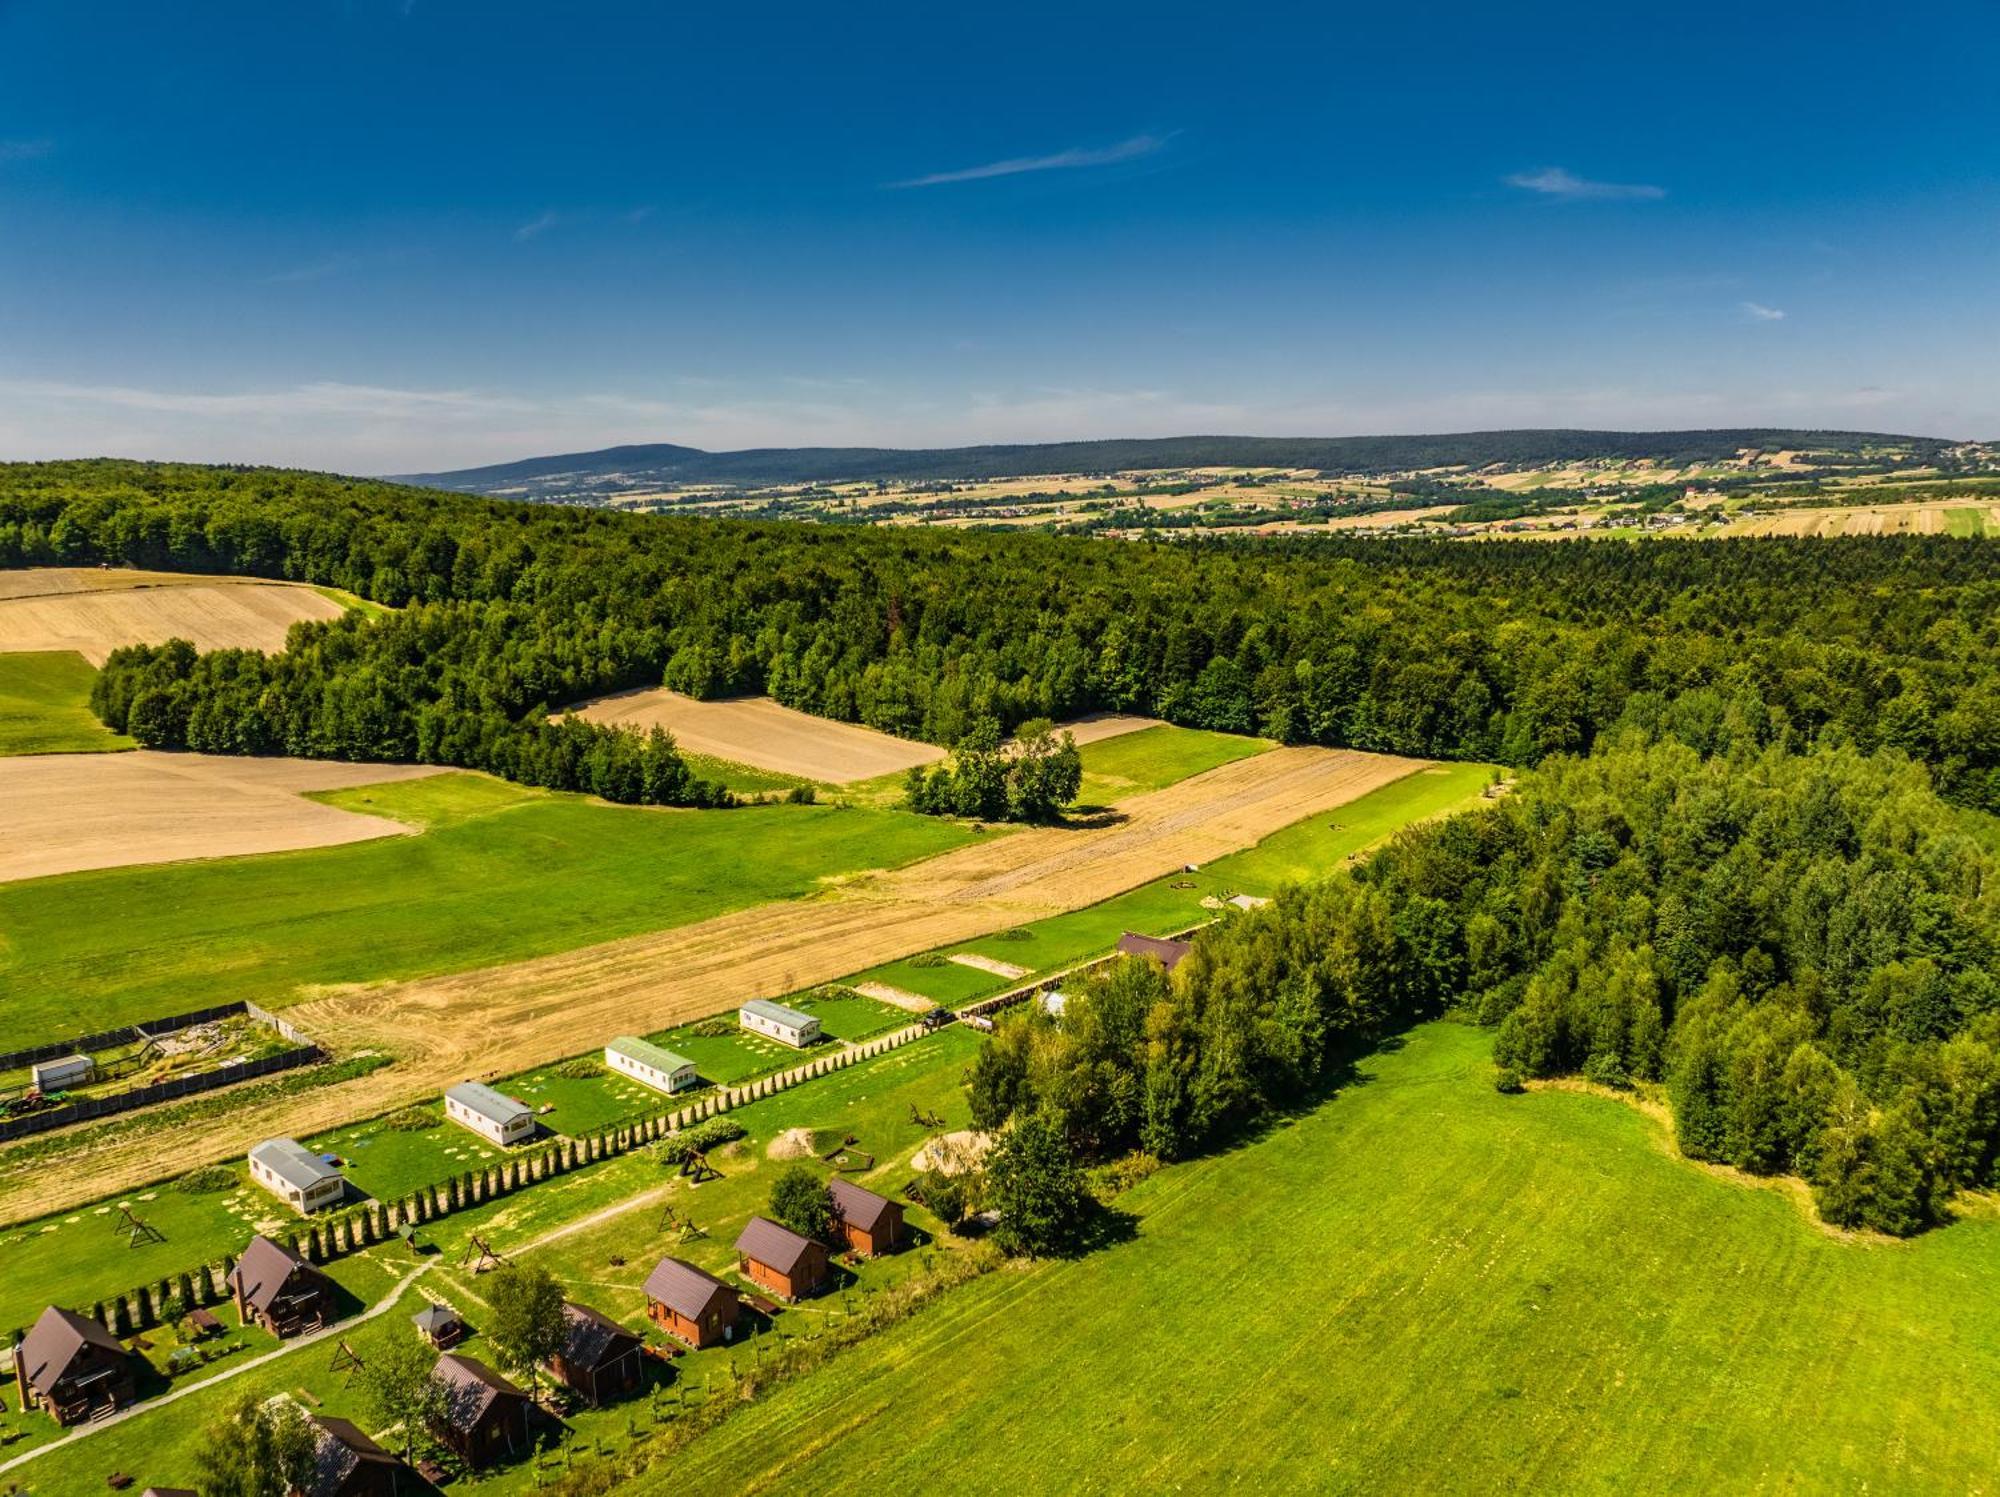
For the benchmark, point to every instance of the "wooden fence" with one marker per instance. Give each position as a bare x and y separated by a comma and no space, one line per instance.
89,1109
14,1059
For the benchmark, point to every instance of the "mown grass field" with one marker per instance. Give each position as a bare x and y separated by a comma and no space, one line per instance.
612,1234
1422,1286
1154,758
45,706
501,873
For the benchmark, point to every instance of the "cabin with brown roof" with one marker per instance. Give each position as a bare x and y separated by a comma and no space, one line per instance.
599,1358
691,1305
278,1290
871,1224
780,1260
1169,954
485,1416
346,1463
73,1367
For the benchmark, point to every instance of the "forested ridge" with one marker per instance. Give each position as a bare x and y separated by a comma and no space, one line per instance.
666,463
1498,651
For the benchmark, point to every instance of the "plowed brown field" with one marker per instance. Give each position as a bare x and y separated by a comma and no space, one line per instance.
501,1020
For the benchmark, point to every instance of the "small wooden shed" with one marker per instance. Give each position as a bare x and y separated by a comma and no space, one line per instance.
691,1305
780,1260
871,1224
485,1417
599,1358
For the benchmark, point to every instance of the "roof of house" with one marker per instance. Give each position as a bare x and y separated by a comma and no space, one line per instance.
264,1270
435,1318
591,1339
684,1289
340,1447
774,1246
53,1344
292,1162
170,1492
777,1013
647,1053
859,1208
471,1388
1168,954
494,1106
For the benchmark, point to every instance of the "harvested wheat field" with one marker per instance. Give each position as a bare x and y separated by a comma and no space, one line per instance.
764,735
500,1020
69,812
93,612
1095,727
1964,518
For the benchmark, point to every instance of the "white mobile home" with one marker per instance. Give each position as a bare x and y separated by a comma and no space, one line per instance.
297,1176
652,1064
785,1025
493,1115
70,1070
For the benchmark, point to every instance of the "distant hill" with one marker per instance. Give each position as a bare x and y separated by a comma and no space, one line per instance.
664,465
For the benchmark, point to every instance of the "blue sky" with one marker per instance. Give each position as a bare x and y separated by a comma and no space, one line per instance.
381,236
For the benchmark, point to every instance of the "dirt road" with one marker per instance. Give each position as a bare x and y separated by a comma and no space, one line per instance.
500,1020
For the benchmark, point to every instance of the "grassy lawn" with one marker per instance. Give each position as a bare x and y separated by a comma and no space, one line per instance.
1423,1286
45,706
388,1162
731,1056
1965,523
500,874
1153,758
604,1264
85,1255
851,1016
745,779
584,1104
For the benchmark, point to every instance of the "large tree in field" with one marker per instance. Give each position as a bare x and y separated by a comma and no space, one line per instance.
257,1448
401,1384
1035,1185
800,1200
527,1316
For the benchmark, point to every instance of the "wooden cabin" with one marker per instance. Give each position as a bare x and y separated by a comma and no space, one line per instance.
73,1367
690,1305
278,1290
1169,954
871,1224
346,1463
485,1417
599,1359
780,1260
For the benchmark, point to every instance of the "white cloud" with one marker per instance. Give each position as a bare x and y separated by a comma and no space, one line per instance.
1756,311
540,224
1555,182
1076,156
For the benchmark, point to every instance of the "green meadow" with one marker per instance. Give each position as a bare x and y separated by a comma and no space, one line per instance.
1154,758
500,873
1422,1285
45,706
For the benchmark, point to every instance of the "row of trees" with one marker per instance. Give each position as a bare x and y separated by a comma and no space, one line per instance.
1030,779
1509,651
1800,950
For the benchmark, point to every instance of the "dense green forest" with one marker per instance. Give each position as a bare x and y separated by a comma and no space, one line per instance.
1801,947
664,464
1497,651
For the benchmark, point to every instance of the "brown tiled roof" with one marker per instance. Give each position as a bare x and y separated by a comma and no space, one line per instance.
341,1446
266,1268
861,1209
684,1289
471,1388
774,1246
53,1344
1168,954
591,1338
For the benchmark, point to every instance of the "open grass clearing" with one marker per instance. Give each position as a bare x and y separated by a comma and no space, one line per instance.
1153,758
93,612
1423,1285
758,732
503,873
386,1162
69,813
45,706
